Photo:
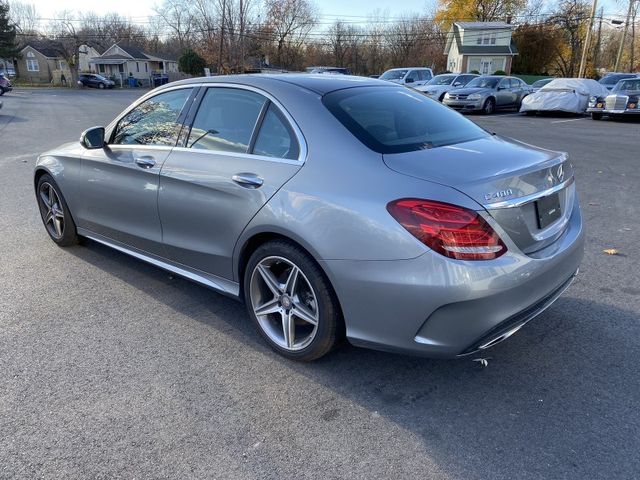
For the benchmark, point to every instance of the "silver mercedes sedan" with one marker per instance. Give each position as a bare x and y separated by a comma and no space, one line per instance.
334,206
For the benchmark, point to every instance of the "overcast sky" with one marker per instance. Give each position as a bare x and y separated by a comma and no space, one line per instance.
353,10
142,8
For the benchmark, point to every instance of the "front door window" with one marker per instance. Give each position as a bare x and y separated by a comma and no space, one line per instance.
485,67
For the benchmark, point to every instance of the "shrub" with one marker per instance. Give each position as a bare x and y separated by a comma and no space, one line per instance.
499,72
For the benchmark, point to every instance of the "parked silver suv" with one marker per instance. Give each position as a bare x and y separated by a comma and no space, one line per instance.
411,76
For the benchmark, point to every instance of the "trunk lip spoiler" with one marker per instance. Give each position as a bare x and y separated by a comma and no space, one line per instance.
518,202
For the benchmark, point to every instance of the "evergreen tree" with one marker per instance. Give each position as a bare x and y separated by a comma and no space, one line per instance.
192,63
8,45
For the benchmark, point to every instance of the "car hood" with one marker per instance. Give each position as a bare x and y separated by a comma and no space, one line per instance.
470,90
480,168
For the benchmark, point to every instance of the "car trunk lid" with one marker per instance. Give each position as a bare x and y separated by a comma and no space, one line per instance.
519,185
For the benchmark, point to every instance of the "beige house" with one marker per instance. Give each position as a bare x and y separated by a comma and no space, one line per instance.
482,46
124,61
43,62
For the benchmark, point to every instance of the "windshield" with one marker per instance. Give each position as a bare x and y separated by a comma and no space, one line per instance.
441,80
99,77
483,82
397,120
393,75
632,84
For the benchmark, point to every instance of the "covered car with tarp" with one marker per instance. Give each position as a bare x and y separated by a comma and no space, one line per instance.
570,95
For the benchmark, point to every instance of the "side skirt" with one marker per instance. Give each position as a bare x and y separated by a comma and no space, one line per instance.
214,282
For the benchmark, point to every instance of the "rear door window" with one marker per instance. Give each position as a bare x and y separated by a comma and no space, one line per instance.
396,120
225,120
276,138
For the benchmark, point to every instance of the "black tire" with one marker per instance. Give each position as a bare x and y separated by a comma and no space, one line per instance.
69,234
329,324
1,91
101,86
530,113
441,99
489,106
596,116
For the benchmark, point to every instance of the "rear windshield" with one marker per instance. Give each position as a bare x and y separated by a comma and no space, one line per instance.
613,79
393,75
397,120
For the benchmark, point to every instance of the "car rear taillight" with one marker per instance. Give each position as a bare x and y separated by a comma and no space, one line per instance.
452,231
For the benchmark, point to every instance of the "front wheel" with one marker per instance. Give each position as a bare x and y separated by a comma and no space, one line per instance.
596,116
489,106
55,212
291,301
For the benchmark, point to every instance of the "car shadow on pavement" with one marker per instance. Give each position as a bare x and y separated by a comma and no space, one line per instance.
553,402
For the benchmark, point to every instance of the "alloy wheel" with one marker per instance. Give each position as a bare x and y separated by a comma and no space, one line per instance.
284,303
53,214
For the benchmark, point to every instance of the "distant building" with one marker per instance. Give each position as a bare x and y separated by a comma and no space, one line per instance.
43,61
483,46
124,61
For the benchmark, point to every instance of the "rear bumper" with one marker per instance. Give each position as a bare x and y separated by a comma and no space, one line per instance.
437,307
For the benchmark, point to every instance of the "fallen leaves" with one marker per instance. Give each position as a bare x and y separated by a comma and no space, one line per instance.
611,251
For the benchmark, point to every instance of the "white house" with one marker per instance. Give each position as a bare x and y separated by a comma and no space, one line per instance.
124,61
483,46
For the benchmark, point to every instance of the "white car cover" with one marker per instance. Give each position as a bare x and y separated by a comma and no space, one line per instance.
563,95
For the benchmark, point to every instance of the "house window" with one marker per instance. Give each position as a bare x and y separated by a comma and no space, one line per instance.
486,38
146,67
138,67
32,63
101,68
62,65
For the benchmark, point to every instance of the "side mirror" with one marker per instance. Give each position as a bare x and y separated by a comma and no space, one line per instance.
409,80
92,138
457,84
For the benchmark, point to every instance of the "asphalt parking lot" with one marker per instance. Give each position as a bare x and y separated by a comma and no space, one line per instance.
111,368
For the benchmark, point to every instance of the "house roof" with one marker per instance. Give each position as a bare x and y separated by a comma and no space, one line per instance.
454,34
48,48
133,51
484,25
488,49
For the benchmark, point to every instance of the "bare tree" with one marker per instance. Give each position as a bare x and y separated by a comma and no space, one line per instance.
65,29
291,21
178,16
25,17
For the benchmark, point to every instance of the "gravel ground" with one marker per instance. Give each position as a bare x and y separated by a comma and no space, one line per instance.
111,368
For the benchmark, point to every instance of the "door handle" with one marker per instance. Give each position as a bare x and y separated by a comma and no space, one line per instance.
248,180
145,161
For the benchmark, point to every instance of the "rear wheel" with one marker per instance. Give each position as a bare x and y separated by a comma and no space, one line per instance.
596,116
489,106
291,301
101,86
55,213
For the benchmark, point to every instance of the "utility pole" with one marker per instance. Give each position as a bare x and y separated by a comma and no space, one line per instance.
587,41
596,53
624,36
224,10
633,38
242,29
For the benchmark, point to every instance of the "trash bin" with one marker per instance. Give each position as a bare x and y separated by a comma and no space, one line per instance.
132,82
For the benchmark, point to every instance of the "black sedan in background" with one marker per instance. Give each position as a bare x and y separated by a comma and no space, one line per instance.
95,81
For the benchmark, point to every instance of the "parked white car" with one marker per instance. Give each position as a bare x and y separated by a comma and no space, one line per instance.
441,84
411,76
563,95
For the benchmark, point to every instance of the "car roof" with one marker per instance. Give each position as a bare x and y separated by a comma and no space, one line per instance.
319,83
